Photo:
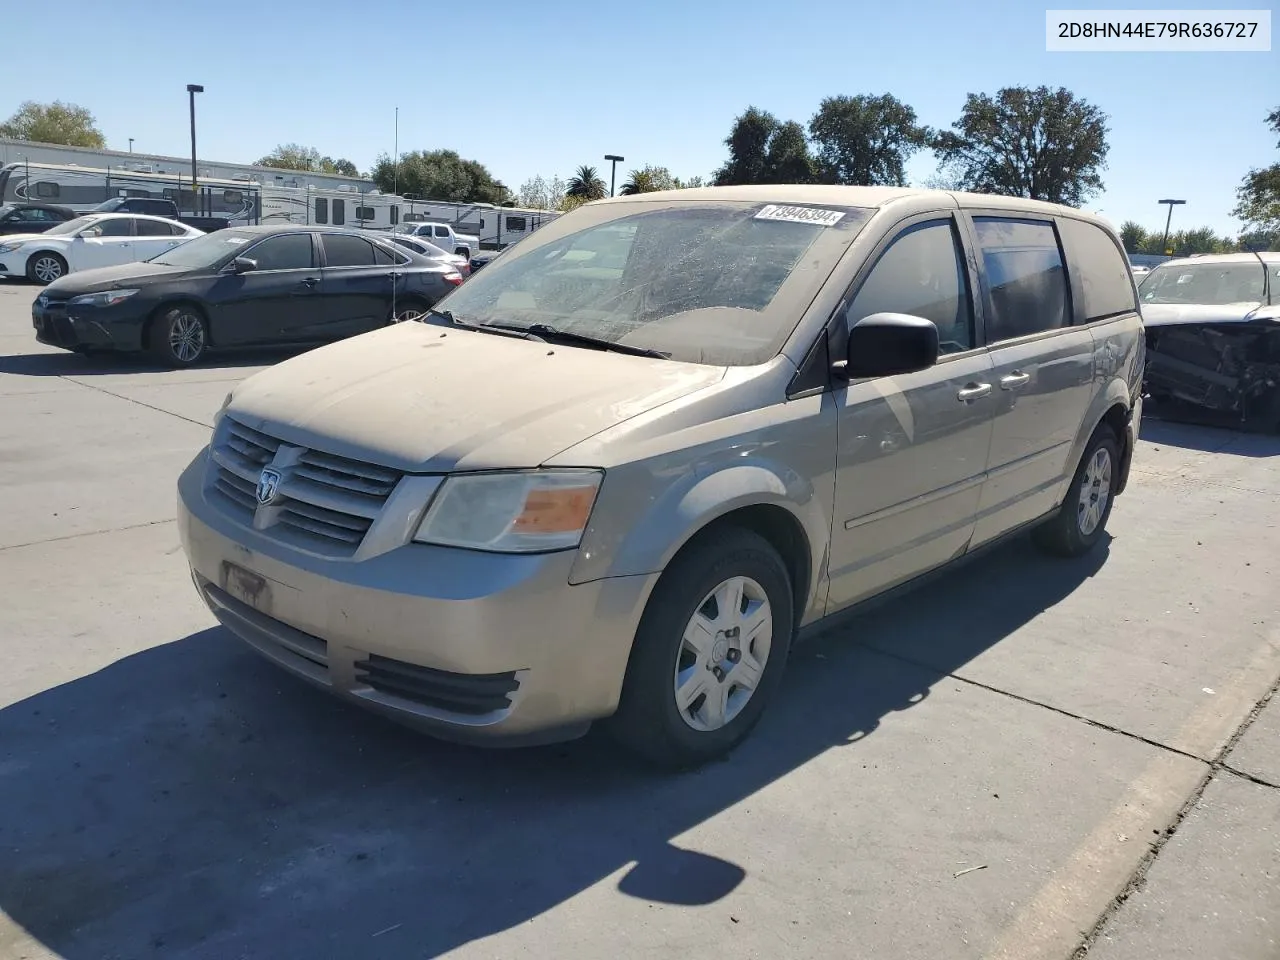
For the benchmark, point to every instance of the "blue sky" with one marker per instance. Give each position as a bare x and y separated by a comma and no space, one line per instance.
540,87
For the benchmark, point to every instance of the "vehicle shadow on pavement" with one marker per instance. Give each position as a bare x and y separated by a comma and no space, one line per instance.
78,365
191,800
1209,438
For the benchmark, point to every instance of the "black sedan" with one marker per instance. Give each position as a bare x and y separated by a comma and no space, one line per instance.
32,217
238,287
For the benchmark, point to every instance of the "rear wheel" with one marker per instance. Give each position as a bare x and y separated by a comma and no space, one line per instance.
45,267
1082,519
178,336
710,651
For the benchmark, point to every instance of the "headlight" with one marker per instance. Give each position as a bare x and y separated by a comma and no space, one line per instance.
105,298
519,512
11,245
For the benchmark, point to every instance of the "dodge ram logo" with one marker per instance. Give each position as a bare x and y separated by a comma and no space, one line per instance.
268,486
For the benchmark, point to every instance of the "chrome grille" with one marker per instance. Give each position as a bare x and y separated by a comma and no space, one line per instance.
324,503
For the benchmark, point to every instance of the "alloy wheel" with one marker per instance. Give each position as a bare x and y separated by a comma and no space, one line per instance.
1095,491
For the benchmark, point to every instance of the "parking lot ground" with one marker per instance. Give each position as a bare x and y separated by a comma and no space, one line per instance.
976,770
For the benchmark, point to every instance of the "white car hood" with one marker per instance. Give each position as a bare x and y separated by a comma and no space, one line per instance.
432,399
24,237
1170,314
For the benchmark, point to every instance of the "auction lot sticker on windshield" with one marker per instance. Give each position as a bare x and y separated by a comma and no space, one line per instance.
823,218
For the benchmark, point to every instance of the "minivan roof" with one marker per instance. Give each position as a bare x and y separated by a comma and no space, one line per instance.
872,197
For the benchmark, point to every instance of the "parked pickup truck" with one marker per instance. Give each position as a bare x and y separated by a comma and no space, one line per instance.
156,207
442,235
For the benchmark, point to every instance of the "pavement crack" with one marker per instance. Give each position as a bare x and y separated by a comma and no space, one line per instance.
120,396
1252,778
1216,766
87,533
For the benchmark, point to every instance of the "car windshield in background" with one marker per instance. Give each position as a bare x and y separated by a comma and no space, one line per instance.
7,209
207,250
108,206
702,282
1204,283
70,226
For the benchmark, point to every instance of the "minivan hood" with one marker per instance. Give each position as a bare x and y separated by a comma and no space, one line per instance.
425,399
1170,314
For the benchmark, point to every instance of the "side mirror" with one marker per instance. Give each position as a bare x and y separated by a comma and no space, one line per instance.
243,265
885,344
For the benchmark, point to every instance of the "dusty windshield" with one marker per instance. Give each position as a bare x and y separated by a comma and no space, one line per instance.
705,282
206,251
1204,283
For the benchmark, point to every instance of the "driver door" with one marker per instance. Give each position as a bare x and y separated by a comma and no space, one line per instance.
912,450
104,244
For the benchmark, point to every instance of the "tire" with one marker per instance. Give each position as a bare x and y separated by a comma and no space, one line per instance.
403,310
1082,519
178,337
650,722
45,267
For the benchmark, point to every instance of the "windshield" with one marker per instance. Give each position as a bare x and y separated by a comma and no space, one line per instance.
717,282
7,209
71,226
1204,283
108,205
207,250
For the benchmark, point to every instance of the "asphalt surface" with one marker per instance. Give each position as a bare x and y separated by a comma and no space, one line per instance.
1024,759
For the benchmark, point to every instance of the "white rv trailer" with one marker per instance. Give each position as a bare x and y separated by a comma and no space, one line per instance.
249,201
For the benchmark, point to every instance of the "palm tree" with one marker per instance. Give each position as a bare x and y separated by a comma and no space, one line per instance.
586,183
640,181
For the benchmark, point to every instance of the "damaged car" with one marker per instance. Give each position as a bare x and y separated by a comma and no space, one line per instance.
1213,337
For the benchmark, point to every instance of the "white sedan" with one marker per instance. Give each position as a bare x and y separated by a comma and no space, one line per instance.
96,240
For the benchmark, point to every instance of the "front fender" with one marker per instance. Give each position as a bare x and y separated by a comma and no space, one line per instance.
650,537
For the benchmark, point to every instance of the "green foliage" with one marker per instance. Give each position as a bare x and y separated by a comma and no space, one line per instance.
865,140
648,179
541,193
586,184
437,175
1258,195
57,122
763,150
294,156
1133,236
1037,143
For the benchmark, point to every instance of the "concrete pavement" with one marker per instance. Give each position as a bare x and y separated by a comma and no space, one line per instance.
1025,758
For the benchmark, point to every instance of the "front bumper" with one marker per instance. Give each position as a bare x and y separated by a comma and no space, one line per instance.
469,646
73,327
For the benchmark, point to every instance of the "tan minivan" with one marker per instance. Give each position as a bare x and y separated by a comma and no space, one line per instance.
618,472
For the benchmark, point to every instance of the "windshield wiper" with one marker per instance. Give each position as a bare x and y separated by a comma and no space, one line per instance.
496,329
548,332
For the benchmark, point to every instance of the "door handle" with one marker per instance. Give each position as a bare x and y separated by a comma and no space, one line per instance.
974,391
309,282
1014,380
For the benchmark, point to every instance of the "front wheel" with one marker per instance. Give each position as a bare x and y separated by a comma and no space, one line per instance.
710,651
1082,518
46,267
406,310
179,337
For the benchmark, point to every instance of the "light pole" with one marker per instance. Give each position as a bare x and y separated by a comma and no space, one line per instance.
613,174
1164,244
131,144
192,90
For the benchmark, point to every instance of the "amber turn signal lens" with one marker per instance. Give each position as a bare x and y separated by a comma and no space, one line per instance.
562,510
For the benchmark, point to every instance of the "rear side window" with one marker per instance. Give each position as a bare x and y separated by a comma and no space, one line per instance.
341,250
922,274
384,256
442,232
1103,270
1027,285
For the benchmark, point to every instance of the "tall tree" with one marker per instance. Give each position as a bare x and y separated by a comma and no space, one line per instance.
866,140
539,193
764,150
648,179
57,122
587,184
1133,236
1259,192
437,175
294,156
689,183
1037,143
